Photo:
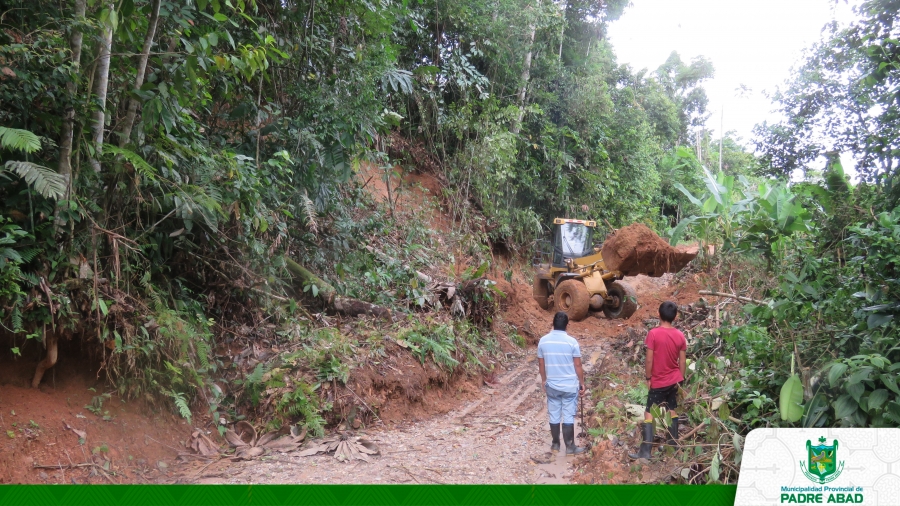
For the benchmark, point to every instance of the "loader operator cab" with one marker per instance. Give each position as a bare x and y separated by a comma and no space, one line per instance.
571,239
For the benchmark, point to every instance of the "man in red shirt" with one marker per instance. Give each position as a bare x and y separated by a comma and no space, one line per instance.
664,370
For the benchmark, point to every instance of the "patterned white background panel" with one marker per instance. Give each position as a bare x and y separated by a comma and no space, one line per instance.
805,466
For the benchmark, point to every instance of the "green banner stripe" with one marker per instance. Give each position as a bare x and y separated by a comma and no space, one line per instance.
352,495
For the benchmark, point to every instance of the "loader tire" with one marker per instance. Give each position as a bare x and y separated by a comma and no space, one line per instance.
572,298
625,300
541,293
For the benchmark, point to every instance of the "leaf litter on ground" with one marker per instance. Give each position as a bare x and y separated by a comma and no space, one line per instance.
345,446
247,446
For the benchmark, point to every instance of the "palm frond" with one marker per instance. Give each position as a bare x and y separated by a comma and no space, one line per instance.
137,161
19,140
46,182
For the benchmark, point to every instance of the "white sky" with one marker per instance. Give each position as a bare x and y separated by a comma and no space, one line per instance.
752,43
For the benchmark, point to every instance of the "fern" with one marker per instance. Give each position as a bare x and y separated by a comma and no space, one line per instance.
203,353
46,182
256,376
140,165
19,140
17,319
29,254
302,401
181,403
31,278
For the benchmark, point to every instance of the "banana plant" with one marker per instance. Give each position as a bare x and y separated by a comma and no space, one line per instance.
720,210
774,214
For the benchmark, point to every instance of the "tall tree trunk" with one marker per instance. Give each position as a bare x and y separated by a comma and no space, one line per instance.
562,31
68,126
130,116
526,76
100,86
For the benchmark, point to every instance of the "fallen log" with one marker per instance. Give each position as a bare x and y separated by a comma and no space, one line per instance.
342,305
731,296
424,278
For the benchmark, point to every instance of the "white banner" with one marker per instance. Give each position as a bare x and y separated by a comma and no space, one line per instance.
820,466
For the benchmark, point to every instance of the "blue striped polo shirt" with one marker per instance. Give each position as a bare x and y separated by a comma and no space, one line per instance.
558,349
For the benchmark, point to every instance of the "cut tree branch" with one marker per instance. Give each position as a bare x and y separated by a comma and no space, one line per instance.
731,296
343,305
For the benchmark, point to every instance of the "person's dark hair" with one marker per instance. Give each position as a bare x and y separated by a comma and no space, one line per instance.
560,321
668,311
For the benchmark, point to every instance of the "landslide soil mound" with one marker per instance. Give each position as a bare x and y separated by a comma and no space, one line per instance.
636,249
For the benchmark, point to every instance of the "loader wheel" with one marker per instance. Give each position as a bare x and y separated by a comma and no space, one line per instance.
541,293
572,297
624,300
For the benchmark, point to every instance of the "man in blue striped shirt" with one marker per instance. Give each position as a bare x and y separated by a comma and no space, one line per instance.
562,380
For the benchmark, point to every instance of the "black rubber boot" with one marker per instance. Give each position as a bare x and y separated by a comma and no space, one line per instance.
554,433
568,431
647,445
673,433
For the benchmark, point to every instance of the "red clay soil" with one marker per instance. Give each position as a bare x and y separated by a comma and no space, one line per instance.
134,440
402,389
414,191
636,249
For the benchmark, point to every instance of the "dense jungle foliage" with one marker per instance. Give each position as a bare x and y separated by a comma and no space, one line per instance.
162,159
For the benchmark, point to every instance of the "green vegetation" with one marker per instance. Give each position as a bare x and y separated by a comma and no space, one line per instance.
160,160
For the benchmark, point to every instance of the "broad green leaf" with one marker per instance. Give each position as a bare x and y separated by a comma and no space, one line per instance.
678,231
837,370
876,320
790,399
844,406
680,187
862,374
856,390
891,382
877,398
892,411
714,468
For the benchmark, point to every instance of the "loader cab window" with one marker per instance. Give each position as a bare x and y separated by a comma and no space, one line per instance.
571,240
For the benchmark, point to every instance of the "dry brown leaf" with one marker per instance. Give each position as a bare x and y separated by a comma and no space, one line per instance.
248,452
246,432
80,433
284,444
344,447
233,439
265,438
298,432
313,450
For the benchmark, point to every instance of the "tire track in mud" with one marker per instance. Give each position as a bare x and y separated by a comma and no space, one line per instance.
501,437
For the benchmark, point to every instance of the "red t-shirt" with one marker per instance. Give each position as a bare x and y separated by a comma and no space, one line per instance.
666,344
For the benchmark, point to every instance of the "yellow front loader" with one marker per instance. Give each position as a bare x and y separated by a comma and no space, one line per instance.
570,275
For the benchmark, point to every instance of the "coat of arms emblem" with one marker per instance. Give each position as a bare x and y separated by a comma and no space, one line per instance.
822,465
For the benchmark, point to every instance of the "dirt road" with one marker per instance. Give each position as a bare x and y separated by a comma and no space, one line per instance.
501,437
